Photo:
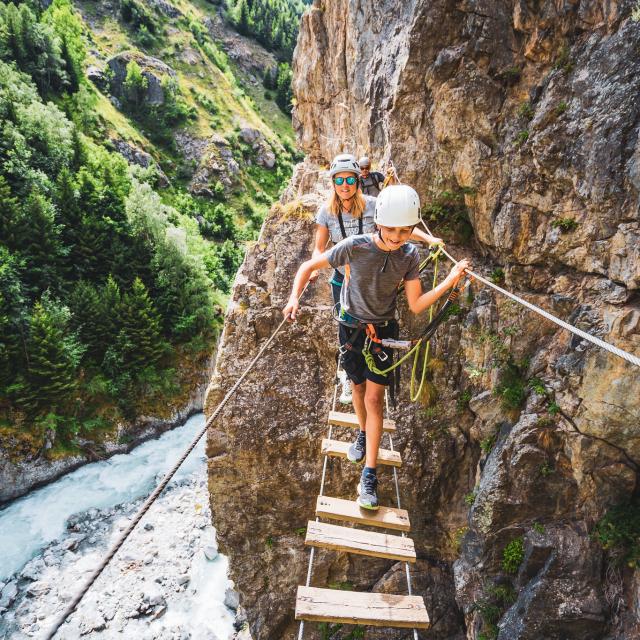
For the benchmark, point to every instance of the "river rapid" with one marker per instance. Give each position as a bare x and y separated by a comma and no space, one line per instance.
166,582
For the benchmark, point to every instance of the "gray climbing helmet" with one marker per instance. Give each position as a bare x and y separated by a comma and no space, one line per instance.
364,162
344,162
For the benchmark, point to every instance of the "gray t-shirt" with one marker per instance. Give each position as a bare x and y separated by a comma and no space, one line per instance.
371,293
328,220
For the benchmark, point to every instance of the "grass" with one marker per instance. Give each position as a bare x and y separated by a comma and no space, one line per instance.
513,555
487,444
526,110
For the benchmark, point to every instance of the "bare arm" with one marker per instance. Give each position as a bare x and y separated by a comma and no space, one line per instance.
302,277
421,236
319,245
419,301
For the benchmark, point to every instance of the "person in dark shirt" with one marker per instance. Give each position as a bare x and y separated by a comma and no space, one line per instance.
370,181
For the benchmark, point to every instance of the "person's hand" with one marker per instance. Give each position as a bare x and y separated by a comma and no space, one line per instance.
314,275
433,241
457,271
291,310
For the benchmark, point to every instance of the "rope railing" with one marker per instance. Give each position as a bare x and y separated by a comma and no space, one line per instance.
621,353
75,601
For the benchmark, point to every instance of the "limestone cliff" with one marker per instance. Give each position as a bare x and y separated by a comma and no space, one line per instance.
523,116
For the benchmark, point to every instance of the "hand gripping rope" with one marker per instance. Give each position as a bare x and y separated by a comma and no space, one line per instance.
417,345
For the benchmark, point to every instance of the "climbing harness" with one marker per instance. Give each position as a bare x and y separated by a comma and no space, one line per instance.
160,488
420,346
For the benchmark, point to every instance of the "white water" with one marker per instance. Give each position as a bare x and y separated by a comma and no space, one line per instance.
30,523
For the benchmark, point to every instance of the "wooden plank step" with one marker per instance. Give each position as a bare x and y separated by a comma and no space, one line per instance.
349,511
366,543
338,449
352,607
351,420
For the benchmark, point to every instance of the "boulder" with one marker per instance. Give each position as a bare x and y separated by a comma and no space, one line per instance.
152,69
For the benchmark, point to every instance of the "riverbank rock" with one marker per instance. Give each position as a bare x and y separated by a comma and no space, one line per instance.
18,476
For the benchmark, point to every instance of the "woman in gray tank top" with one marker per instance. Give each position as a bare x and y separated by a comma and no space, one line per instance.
346,213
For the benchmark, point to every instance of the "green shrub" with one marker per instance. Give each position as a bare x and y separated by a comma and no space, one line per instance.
619,533
565,224
449,213
513,555
521,138
512,387
497,275
470,497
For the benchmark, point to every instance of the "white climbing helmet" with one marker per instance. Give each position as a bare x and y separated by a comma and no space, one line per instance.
344,162
398,205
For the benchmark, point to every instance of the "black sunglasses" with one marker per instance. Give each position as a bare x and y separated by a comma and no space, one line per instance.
351,180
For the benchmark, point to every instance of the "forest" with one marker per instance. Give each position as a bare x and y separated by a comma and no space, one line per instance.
105,289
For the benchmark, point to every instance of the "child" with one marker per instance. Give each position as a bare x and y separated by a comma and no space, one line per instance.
378,264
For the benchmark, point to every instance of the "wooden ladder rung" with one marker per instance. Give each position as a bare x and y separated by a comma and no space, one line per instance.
351,607
366,543
342,419
338,449
349,511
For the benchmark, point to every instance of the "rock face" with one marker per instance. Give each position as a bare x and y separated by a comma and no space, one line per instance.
152,69
252,58
525,117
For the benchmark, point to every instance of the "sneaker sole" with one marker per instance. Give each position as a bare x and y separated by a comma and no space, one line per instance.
368,507
355,461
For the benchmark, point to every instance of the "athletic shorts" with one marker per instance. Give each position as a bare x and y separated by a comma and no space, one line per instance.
353,362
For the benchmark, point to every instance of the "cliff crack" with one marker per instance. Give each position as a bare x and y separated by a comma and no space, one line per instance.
634,465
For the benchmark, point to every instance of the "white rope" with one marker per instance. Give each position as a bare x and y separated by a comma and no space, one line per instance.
629,357
403,534
324,472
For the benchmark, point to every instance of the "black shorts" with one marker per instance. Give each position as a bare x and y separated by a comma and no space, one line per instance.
353,362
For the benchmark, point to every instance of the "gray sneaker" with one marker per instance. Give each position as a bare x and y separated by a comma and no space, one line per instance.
358,449
368,492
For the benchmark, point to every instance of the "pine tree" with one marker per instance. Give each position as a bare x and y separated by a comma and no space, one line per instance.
40,245
9,223
53,355
91,320
12,319
182,294
139,342
243,18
